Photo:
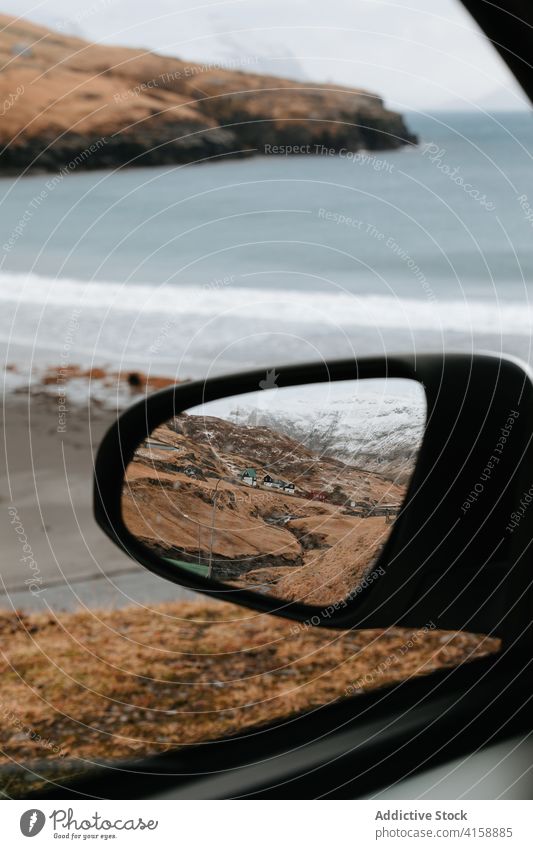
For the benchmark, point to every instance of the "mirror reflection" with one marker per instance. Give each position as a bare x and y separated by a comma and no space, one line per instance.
289,492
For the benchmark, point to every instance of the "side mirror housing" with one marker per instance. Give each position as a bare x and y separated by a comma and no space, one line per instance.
458,553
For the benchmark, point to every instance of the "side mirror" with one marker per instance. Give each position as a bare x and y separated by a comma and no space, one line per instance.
344,494
288,492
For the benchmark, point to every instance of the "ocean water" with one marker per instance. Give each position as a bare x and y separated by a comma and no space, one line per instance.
200,269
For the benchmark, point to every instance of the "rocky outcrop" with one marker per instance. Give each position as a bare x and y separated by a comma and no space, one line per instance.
69,104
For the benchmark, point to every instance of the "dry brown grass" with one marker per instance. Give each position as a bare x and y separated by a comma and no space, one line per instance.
121,683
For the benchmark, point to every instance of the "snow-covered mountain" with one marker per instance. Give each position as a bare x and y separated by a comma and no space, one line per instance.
376,430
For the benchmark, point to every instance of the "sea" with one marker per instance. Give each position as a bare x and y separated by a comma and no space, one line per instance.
200,269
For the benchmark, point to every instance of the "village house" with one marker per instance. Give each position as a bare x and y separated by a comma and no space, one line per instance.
317,495
249,477
386,510
273,483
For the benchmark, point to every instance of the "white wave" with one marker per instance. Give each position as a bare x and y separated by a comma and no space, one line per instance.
110,300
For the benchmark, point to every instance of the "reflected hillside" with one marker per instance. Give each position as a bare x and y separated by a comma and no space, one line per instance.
255,507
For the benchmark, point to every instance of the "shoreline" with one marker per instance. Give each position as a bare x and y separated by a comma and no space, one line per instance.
46,484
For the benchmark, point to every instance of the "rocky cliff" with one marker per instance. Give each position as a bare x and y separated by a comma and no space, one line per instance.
68,104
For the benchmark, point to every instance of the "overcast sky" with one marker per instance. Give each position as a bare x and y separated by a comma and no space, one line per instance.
418,55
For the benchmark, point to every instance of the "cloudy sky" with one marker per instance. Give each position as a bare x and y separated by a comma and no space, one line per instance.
418,55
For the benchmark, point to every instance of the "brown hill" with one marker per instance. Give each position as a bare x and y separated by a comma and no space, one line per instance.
68,103
186,499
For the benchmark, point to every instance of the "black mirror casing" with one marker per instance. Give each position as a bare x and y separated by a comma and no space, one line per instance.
455,559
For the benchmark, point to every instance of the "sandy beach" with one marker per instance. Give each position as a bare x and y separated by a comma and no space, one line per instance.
54,555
